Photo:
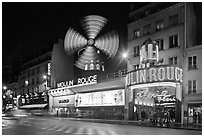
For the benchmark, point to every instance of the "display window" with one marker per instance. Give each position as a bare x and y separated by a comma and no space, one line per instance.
155,104
195,113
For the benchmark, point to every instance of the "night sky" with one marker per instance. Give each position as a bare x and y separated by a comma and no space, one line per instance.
29,27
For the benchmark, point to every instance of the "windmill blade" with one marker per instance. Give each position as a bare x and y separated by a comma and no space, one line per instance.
93,25
74,41
87,57
108,44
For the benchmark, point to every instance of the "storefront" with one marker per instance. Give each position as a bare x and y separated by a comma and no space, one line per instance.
61,102
108,104
90,100
153,93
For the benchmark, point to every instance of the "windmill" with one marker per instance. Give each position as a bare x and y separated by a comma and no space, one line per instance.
89,49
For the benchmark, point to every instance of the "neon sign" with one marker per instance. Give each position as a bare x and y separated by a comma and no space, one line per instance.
80,81
157,74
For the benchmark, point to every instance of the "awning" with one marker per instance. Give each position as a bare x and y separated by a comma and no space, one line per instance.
34,106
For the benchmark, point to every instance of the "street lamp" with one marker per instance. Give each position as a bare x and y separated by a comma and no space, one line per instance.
4,88
125,55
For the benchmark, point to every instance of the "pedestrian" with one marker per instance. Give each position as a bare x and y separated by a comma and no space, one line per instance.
150,116
154,117
143,115
57,113
194,117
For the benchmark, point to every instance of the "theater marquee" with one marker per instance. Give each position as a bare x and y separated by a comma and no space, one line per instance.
156,74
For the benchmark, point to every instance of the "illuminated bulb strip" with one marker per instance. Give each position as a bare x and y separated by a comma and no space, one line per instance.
173,84
108,44
88,58
93,25
80,65
73,41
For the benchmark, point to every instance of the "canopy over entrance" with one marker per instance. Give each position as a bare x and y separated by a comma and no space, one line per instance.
34,106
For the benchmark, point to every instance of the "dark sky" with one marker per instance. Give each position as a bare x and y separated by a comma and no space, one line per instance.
28,27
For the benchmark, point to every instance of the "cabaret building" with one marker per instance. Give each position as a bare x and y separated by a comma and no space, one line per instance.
175,28
156,81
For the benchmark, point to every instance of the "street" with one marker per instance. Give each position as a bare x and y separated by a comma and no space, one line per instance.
55,126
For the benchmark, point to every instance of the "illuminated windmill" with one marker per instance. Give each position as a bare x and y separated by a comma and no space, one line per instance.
89,49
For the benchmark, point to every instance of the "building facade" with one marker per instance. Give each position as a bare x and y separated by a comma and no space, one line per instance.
34,81
171,26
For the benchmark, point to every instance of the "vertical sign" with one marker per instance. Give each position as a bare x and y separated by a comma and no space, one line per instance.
49,74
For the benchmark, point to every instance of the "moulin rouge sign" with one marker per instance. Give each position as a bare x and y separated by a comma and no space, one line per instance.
156,74
80,81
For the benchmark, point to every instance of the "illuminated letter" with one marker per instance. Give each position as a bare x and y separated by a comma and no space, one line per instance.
58,85
71,83
181,75
95,78
133,78
170,74
142,76
177,74
127,80
137,77
79,81
161,74
152,73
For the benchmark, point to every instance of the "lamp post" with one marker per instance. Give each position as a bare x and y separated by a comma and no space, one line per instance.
129,95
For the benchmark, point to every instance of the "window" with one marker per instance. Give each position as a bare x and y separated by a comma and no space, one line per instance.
38,70
173,20
160,43
173,61
37,80
161,62
173,41
136,66
37,89
192,62
192,86
33,81
136,51
146,29
136,33
160,25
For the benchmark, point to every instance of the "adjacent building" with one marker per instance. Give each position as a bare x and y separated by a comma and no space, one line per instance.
34,81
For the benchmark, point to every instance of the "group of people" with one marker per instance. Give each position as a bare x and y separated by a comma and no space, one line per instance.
158,116
162,116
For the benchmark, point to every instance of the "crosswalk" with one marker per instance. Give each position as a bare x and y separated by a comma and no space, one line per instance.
68,129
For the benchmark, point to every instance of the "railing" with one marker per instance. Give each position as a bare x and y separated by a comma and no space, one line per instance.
120,73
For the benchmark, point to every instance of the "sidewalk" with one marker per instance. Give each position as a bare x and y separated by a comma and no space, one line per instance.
138,123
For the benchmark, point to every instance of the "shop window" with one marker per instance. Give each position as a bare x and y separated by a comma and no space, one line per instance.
146,29
136,33
160,25
192,86
136,51
173,61
173,20
160,43
192,62
173,41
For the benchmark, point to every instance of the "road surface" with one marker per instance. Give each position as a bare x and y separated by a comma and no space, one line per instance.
54,126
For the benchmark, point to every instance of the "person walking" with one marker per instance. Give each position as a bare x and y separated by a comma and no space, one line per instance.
143,115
